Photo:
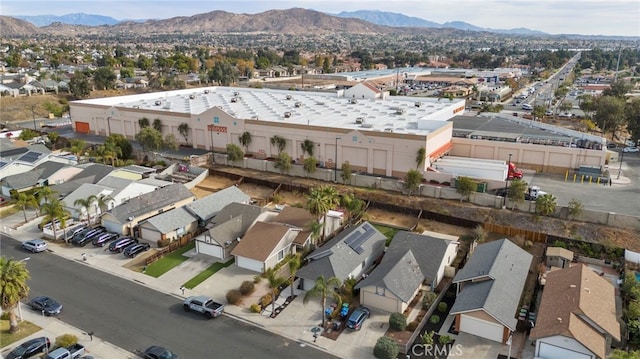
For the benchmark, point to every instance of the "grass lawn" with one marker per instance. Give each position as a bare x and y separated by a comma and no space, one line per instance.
387,231
168,262
202,276
8,211
24,330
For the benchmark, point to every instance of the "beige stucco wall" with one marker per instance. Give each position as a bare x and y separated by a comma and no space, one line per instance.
551,159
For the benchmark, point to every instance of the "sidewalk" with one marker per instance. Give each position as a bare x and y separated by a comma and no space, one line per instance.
294,323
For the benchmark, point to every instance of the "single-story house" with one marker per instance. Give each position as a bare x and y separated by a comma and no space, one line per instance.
209,206
558,257
412,262
170,225
226,229
89,173
489,288
41,175
350,254
83,192
577,316
299,218
124,218
264,245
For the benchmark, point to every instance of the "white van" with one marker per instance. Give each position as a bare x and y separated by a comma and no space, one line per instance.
526,106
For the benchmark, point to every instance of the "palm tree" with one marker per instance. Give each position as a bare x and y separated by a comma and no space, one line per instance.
307,147
86,204
354,206
319,202
316,230
24,201
78,146
546,204
102,201
45,194
420,156
245,140
322,288
183,129
294,264
111,151
53,210
274,282
278,142
13,288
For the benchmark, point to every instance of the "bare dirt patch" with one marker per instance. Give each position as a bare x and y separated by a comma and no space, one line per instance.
392,219
431,225
215,183
261,289
292,199
200,192
255,191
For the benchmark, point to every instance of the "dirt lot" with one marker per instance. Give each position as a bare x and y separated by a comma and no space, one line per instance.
397,220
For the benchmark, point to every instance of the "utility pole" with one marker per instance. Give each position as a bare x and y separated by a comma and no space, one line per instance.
33,114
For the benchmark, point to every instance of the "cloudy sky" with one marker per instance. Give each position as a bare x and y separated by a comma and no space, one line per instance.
589,17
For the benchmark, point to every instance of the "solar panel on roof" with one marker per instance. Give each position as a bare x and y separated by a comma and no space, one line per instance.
357,238
30,157
2,164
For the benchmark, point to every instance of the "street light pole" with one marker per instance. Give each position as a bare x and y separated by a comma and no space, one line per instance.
33,114
506,183
335,166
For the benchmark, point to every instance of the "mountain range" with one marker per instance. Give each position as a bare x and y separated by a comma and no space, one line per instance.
388,19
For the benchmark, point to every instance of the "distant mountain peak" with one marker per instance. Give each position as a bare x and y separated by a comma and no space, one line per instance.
78,18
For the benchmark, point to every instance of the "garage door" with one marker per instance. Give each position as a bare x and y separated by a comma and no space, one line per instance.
549,351
481,328
209,249
83,127
381,302
250,264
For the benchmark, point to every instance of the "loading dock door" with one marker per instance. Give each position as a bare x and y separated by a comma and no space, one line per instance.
82,127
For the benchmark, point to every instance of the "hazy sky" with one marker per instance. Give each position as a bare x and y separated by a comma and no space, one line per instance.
589,17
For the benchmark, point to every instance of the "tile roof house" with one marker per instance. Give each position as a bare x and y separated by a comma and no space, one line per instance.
123,218
299,218
226,228
350,254
489,289
577,315
411,262
264,245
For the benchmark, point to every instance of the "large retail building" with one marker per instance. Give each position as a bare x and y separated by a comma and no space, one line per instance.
362,125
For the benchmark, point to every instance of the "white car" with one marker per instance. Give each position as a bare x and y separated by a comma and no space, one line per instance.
548,113
565,114
35,245
631,149
526,106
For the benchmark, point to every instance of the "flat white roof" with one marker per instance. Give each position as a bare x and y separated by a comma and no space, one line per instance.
395,114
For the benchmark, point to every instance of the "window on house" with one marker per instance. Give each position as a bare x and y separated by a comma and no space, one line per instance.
216,119
281,255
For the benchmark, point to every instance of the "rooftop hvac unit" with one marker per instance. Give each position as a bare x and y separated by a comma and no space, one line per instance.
298,104
236,93
388,130
287,114
288,97
234,99
418,104
359,120
192,96
206,91
158,103
353,101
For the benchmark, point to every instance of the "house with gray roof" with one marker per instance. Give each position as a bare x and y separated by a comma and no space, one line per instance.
91,173
350,254
83,192
412,262
169,225
226,228
207,207
40,175
124,218
489,289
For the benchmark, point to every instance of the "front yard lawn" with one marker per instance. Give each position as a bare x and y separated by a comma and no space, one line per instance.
25,329
202,276
168,262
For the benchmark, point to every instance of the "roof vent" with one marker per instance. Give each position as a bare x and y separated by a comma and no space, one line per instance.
288,97
298,104
360,120
559,320
158,103
388,129
353,101
192,96
400,111
206,91
234,99
587,290
287,114
236,93
572,285
418,104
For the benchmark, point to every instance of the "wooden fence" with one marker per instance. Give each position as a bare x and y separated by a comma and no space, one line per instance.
512,231
172,247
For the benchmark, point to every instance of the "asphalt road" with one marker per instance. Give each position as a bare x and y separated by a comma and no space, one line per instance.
134,317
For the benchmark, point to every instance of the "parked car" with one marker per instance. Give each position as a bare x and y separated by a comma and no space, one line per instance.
82,241
631,149
135,249
122,243
357,318
90,233
156,352
526,106
104,238
46,304
30,348
35,245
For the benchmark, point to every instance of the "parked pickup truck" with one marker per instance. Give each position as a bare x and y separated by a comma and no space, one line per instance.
205,305
72,352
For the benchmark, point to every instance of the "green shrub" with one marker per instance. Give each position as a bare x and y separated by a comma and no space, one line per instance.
428,299
385,348
397,322
255,307
163,242
442,307
412,326
257,278
247,287
435,319
66,340
445,339
234,296
427,338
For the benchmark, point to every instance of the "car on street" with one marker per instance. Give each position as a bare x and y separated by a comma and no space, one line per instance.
548,113
631,149
357,318
135,249
35,245
30,348
45,304
526,106
122,243
104,238
156,352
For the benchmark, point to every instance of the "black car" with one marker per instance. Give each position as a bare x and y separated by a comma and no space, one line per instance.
134,249
46,305
104,238
82,236
30,348
122,243
156,352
